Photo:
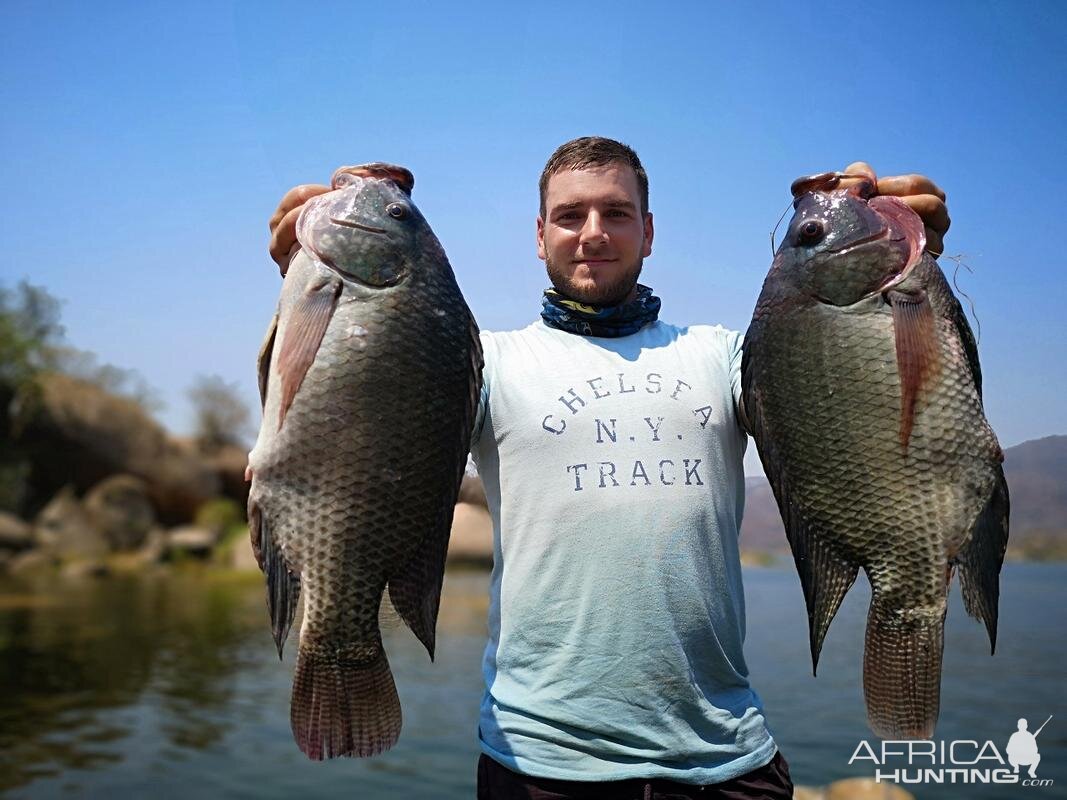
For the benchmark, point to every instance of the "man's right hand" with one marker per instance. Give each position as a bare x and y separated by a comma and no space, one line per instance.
283,244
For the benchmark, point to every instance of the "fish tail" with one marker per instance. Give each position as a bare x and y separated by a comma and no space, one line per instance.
344,701
902,669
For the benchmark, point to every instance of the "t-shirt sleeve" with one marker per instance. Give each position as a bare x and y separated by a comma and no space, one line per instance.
734,341
483,397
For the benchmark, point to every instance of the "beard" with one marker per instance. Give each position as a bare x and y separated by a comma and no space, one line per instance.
611,294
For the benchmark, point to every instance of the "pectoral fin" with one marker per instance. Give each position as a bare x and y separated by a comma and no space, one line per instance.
266,350
918,359
306,324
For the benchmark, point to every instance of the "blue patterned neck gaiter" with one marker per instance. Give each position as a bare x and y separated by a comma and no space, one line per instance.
569,315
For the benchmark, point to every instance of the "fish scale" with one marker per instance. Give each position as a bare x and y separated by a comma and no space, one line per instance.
370,379
861,481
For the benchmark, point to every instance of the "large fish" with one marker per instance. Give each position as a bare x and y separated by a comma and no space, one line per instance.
862,389
369,375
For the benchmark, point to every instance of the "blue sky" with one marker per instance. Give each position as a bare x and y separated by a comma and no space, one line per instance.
144,146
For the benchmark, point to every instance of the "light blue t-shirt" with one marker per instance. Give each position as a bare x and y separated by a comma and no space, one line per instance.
613,470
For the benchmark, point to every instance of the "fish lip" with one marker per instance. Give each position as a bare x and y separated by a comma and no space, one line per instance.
349,224
882,234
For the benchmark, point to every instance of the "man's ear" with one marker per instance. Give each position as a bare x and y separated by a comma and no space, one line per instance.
649,232
540,237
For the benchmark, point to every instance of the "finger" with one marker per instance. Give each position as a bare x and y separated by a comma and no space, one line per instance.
283,237
933,211
903,185
861,168
295,198
935,244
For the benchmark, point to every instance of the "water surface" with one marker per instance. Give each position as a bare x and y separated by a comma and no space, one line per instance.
169,683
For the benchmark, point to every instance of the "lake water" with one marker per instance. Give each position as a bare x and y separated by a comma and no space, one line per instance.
168,685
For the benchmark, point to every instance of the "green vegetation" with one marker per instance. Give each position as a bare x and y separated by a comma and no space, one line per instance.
29,336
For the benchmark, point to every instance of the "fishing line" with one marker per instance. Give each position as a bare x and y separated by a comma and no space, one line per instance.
958,259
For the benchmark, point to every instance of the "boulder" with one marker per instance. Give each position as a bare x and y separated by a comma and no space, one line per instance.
865,789
808,793
78,433
154,548
14,533
242,557
120,509
472,491
31,561
84,568
64,529
472,535
228,463
191,540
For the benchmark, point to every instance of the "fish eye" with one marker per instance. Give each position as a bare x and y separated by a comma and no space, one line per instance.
810,232
396,211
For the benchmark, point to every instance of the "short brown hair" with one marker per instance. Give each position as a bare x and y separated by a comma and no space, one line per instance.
594,151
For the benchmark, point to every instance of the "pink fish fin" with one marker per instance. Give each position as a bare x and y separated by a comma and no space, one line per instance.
305,327
283,584
904,223
266,350
918,360
902,669
981,557
344,701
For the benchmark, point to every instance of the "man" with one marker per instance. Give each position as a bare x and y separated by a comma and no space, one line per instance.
611,454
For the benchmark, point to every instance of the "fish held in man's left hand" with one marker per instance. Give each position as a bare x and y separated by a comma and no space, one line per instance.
862,388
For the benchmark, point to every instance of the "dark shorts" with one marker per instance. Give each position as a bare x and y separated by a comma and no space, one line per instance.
496,782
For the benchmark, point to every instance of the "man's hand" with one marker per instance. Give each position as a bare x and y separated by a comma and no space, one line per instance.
283,244
920,193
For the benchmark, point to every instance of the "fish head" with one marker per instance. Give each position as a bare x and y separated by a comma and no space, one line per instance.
845,245
367,228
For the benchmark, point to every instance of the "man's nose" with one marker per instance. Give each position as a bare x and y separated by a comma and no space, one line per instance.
593,231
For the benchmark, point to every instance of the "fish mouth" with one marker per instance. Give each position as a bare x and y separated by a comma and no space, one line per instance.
349,224
874,237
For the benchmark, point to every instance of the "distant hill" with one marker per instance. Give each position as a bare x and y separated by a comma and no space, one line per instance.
1037,481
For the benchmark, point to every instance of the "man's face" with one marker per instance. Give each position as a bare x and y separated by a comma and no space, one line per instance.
593,236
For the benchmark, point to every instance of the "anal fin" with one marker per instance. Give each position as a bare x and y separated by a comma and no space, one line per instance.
415,591
980,559
826,579
283,585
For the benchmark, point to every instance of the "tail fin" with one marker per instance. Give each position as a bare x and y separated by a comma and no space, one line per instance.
344,702
902,670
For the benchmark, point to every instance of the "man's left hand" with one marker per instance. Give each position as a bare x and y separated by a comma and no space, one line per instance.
920,193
